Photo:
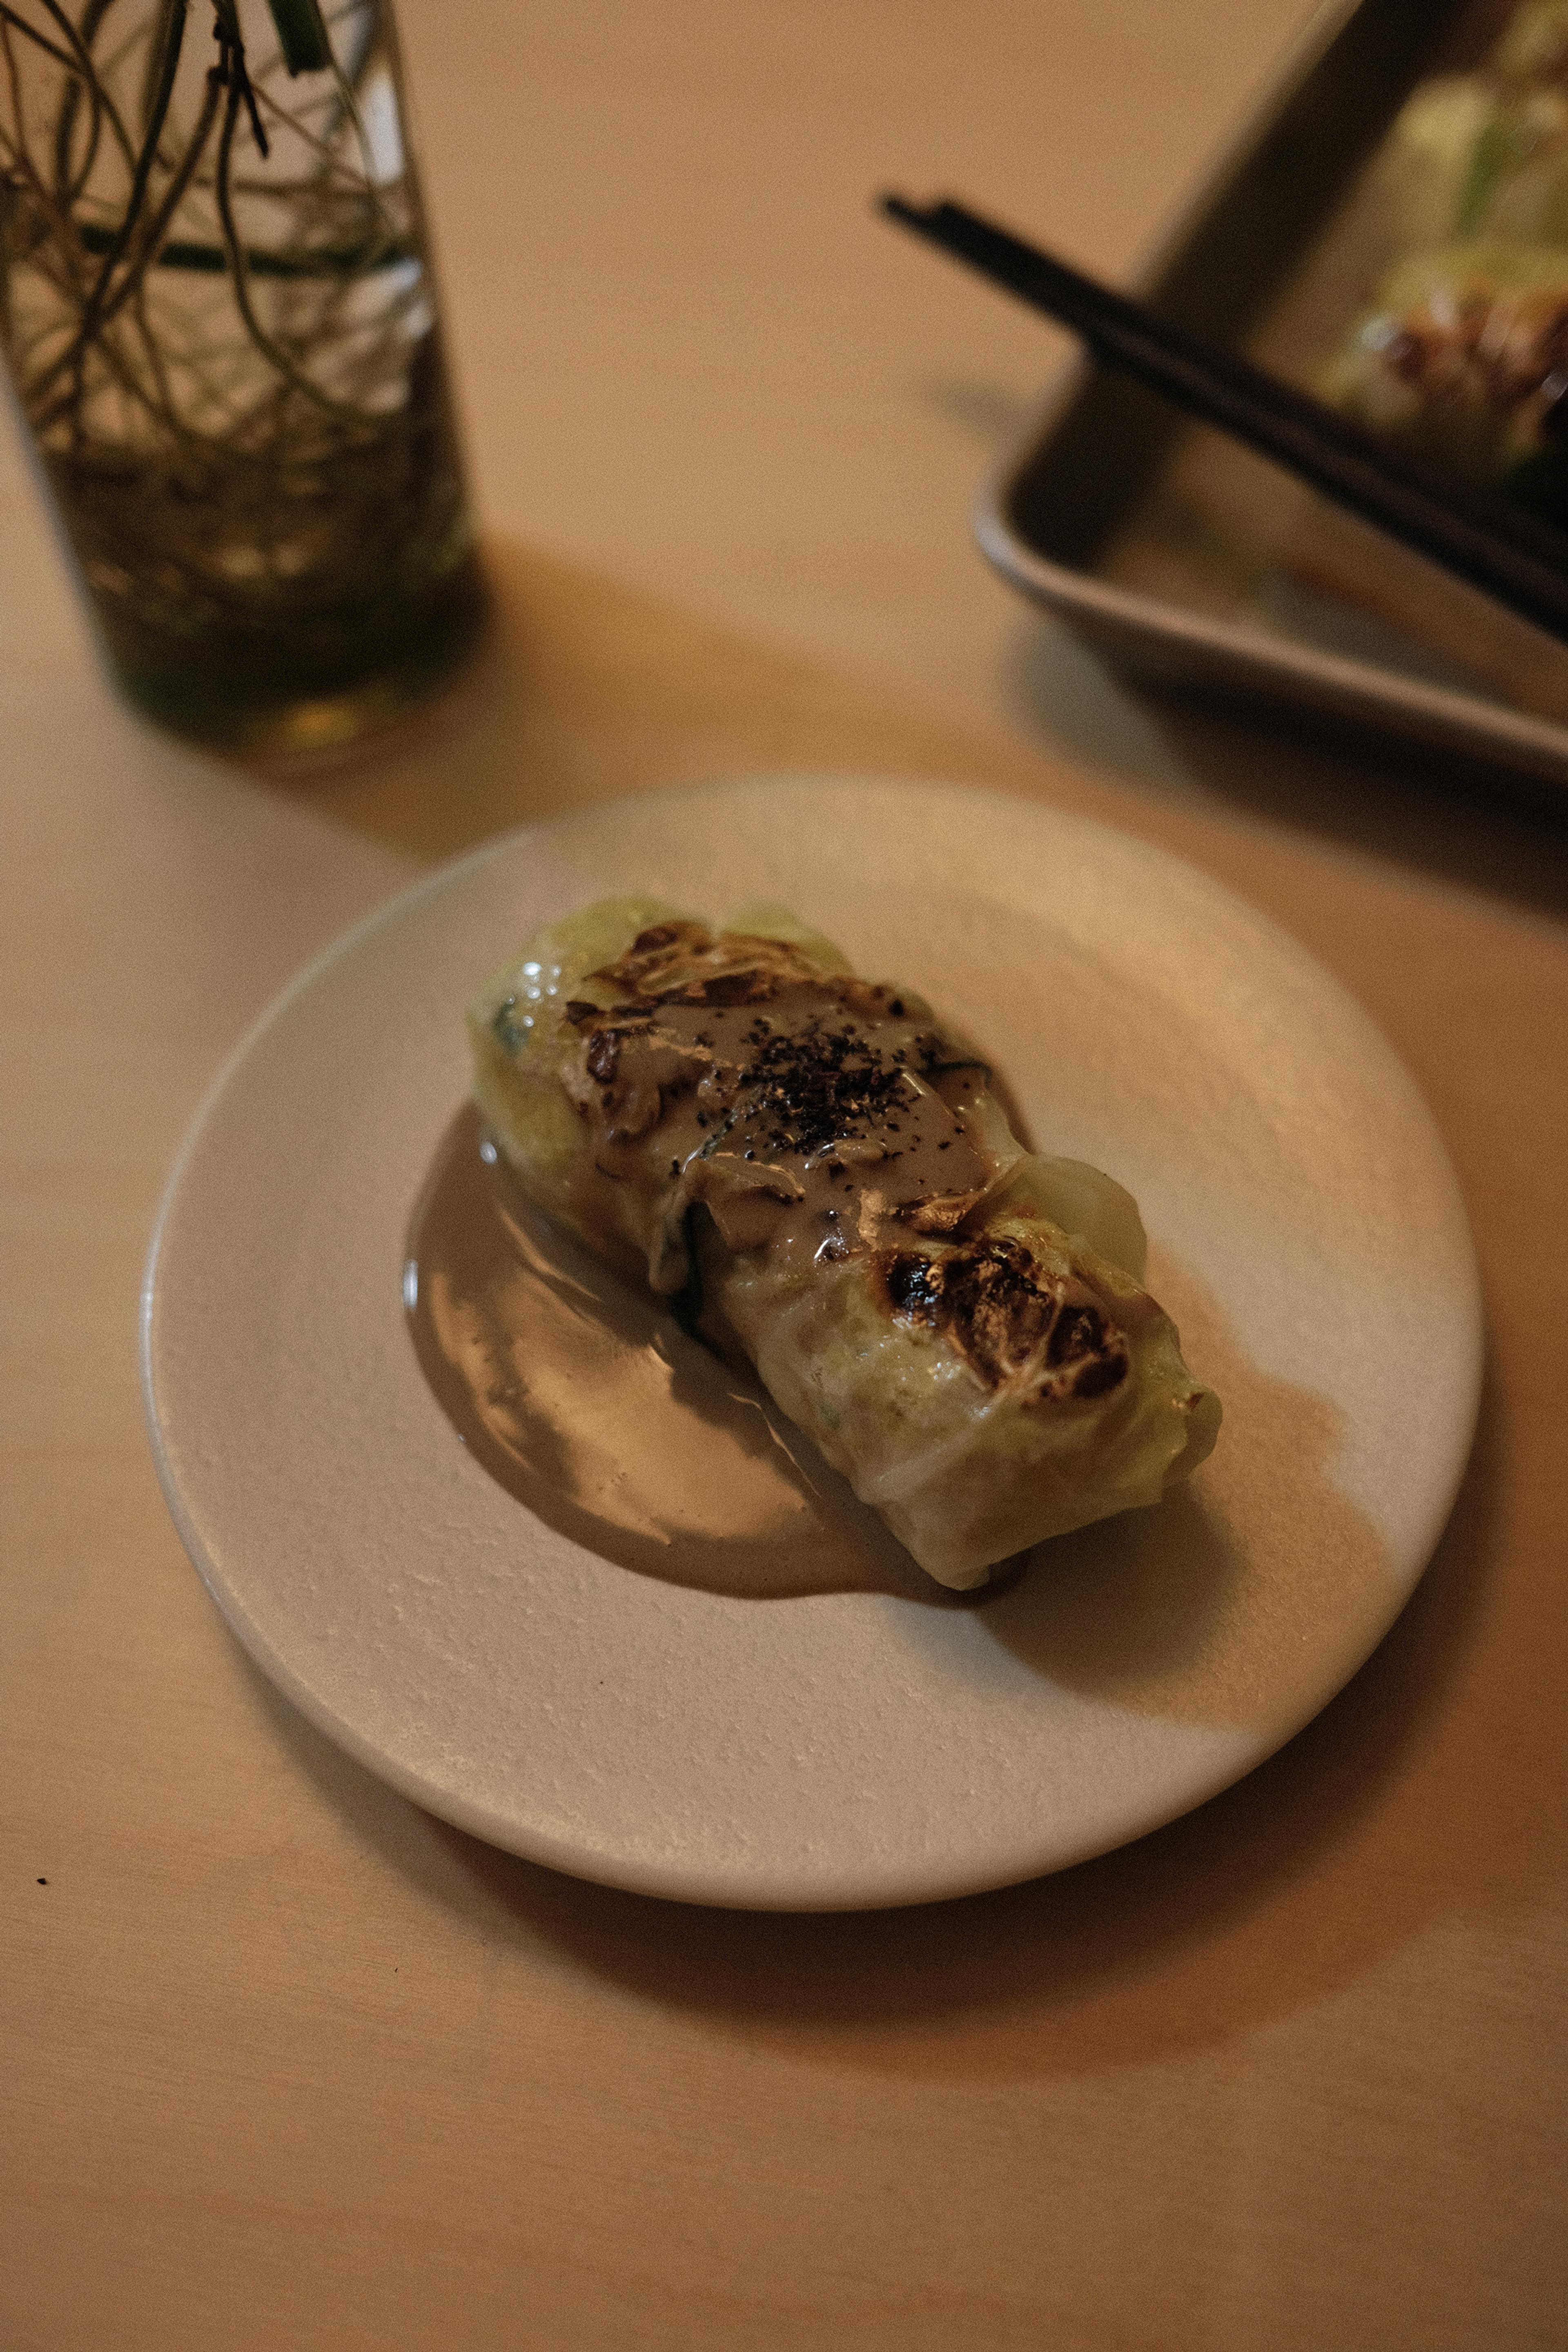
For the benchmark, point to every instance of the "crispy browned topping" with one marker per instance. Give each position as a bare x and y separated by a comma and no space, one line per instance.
1006,1316
944,1215
797,1105
648,966
1496,350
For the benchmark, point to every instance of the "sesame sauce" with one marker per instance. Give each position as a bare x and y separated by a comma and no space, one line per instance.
810,1113
579,1396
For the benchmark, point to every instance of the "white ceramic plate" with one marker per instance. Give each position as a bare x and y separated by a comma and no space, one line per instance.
843,1748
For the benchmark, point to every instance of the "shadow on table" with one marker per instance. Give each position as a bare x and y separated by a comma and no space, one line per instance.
582,690
587,688
1462,821
1317,1868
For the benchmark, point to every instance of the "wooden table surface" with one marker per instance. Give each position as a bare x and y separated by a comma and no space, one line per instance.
283,2062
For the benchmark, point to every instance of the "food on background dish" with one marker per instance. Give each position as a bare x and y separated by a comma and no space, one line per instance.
1463,353
1465,358
817,1174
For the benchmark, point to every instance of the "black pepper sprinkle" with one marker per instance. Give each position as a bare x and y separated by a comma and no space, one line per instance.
897,1008
821,1085
675,1167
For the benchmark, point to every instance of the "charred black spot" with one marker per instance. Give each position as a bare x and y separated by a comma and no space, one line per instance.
990,1300
1078,1331
603,1055
1101,1374
577,1009
1002,1312
658,935
914,1285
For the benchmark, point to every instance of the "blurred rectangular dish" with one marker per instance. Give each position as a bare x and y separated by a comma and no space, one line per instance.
1194,561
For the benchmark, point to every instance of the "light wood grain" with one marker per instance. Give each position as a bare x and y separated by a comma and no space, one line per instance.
283,2063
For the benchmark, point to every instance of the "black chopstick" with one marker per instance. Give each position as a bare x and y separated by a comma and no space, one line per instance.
1495,545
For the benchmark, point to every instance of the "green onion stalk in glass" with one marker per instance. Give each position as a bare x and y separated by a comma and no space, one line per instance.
217,309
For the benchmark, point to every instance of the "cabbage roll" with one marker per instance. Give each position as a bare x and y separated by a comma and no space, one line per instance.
817,1175
1463,353
1464,357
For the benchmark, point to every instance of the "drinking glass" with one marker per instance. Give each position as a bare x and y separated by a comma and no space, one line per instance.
217,311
